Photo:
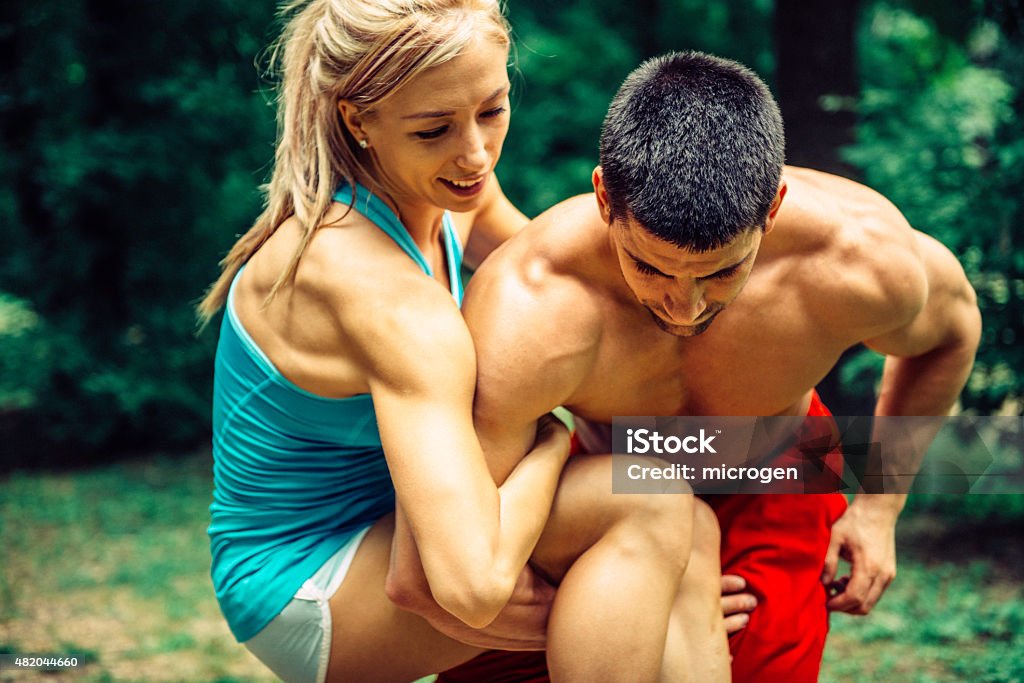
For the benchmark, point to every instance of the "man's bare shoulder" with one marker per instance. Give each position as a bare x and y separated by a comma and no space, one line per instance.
534,307
853,256
543,271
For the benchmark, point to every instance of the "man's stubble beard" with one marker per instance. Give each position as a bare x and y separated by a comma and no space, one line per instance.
683,330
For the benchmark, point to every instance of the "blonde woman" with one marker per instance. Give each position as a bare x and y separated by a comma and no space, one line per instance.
345,376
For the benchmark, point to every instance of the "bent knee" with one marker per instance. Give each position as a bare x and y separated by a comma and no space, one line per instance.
707,534
667,516
704,573
661,524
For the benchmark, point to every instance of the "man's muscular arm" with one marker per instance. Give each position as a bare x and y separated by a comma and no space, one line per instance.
928,360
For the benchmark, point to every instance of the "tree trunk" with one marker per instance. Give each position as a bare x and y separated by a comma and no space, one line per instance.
816,79
817,86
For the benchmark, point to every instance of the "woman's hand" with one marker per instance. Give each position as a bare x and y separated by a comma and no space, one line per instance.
552,432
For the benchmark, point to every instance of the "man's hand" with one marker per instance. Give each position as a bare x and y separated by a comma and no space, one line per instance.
735,603
865,536
522,625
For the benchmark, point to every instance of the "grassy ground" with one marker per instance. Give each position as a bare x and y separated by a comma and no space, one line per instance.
112,564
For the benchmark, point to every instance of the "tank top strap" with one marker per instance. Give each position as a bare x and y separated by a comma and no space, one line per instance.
381,215
453,253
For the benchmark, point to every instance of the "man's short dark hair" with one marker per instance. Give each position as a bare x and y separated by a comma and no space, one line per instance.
692,147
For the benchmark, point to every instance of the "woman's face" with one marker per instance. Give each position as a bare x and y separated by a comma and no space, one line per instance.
436,141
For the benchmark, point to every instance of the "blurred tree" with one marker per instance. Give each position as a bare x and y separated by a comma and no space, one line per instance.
816,80
134,135
130,152
571,61
940,134
817,86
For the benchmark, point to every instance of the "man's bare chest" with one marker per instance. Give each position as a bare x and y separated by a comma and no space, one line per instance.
742,365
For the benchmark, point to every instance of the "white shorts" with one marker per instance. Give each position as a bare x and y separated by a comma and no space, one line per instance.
296,644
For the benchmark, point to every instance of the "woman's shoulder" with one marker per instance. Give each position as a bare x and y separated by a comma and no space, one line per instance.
355,300
355,274
383,308
350,259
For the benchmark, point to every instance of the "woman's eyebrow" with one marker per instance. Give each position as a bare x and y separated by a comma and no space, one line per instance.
439,113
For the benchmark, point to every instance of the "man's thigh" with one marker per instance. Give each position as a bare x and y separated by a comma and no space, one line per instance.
778,543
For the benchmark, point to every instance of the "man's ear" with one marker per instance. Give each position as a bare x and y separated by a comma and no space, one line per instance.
353,118
776,205
603,205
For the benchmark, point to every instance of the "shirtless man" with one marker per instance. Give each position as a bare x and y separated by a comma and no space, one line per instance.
703,278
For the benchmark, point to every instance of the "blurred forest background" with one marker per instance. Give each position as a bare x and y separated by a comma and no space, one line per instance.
134,136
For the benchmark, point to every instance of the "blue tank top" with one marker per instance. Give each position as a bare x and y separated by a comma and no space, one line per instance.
296,475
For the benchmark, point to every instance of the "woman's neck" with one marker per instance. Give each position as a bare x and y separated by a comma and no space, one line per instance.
422,220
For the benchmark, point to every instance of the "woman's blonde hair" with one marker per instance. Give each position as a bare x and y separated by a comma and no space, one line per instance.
358,50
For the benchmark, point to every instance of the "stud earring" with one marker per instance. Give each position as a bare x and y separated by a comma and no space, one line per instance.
363,144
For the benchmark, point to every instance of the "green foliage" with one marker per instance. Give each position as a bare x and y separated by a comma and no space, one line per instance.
133,137
23,354
552,148
570,61
986,508
44,519
133,140
122,581
940,136
859,375
939,621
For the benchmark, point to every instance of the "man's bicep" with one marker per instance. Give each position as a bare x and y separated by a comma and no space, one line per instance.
506,427
523,369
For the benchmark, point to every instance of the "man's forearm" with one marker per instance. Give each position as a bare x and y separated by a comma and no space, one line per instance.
928,384
916,396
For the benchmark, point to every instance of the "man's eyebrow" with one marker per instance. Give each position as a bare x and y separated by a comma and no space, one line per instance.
441,113
643,263
727,270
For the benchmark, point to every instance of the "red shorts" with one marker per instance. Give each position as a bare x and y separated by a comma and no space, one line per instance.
777,543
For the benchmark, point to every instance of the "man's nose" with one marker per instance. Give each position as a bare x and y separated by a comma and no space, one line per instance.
686,303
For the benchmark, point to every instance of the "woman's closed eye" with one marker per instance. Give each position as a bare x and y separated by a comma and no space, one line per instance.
441,130
432,133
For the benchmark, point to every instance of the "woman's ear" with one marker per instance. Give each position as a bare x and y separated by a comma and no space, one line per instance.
353,118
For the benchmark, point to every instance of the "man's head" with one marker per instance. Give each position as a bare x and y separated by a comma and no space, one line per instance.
691,161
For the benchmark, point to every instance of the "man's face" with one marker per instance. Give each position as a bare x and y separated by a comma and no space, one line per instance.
682,290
